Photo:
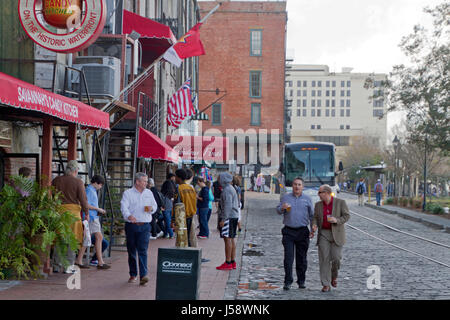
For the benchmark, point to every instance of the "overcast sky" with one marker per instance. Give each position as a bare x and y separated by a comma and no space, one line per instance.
362,34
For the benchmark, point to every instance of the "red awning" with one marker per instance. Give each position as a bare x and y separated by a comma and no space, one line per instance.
23,95
207,148
155,37
151,146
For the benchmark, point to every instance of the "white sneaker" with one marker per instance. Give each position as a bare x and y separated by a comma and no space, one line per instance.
152,238
160,234
70,269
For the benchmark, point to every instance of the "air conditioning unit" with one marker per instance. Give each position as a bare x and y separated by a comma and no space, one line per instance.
102,76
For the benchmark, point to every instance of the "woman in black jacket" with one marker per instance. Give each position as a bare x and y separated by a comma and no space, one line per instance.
168,191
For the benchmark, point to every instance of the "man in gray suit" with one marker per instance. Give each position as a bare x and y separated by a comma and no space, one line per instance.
330,215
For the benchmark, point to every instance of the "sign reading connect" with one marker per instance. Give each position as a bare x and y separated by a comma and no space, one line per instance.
74,30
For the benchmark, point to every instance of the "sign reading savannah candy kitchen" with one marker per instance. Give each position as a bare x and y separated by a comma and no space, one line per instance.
78,22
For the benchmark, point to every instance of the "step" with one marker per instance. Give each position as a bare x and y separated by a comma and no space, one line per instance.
65,160
120,159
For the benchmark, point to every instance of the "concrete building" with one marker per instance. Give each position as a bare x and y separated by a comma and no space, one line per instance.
334,107
245,59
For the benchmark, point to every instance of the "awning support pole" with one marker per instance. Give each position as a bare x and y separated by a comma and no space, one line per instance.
47,152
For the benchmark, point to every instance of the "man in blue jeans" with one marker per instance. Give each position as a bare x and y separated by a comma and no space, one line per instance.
378,191
137,206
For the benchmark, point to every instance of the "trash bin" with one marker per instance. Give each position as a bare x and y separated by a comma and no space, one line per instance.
178,273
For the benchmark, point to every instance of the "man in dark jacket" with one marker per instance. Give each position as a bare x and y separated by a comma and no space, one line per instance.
157,223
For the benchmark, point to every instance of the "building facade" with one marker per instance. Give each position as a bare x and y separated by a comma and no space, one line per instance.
334,107
243,73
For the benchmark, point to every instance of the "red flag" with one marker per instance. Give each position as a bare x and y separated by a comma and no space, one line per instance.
187,46
180,106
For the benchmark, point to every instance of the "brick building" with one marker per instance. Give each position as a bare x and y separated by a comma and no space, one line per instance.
245,59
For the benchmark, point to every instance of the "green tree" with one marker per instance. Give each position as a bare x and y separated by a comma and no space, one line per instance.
422,89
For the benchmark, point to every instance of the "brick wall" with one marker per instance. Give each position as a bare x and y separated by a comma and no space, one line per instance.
227,63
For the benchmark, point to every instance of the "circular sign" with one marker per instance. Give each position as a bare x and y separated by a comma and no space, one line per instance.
66,16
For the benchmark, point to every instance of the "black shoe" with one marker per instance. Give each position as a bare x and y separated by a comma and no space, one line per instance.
301,285
286,286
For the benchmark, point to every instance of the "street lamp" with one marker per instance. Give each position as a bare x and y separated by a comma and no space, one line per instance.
396,143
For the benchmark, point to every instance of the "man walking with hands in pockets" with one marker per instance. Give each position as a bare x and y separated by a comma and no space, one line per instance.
138,205
297,211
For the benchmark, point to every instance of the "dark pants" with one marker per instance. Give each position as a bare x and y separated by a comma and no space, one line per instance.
138,237
295,242
105,245
203,215
157,225
378,196
188,226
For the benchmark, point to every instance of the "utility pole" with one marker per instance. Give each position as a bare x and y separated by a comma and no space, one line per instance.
425,176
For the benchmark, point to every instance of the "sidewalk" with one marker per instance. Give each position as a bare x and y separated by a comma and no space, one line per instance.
424,218
112,284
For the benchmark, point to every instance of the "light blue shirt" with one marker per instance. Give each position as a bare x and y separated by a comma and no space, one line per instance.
302,212
211,198
92,199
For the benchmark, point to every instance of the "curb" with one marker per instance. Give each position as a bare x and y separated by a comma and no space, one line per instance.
426,222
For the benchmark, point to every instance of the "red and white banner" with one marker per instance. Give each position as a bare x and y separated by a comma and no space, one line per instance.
187,46
180,106
20,94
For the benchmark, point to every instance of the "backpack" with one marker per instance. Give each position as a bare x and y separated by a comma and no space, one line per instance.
378,188
360,189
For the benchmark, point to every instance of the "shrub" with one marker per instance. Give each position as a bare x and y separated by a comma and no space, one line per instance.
389,201
404,201
31,220
434,208
417,203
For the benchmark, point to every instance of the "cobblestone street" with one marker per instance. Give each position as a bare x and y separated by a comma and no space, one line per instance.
403,274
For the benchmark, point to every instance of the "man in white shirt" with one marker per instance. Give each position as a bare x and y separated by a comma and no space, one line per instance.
137,206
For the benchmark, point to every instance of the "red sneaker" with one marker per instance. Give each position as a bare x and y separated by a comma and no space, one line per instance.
225,266
233,264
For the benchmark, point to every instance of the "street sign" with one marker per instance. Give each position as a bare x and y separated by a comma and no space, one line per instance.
178,273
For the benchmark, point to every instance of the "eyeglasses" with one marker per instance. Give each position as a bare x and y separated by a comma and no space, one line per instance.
321,192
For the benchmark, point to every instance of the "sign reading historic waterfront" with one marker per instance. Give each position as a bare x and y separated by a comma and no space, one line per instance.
74,31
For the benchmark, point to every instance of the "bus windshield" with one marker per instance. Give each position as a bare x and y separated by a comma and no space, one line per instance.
314,166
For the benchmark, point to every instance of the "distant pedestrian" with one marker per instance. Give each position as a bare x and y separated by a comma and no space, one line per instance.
211,199
168,190
252,182
203,208
258,183
137,206
273,184
297,211
360,190
236,183
25,172
217,190
330,214
378,191
228,216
